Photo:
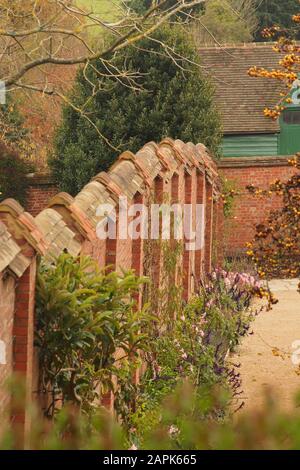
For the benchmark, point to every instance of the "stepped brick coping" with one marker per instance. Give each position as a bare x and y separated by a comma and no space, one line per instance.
40,179
244,162
68,221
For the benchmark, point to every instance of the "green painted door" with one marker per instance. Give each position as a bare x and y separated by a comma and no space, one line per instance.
250,145
289,142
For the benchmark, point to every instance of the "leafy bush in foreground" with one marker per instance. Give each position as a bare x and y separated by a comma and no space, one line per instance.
85,317
194,348
187,422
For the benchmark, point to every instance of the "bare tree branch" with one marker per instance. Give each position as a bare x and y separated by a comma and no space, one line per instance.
70,23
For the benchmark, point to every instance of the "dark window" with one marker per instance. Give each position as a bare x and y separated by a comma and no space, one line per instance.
291,117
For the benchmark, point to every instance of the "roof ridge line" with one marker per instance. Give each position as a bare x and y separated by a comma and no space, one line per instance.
237,45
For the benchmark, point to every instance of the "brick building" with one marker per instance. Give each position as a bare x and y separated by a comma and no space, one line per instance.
255,149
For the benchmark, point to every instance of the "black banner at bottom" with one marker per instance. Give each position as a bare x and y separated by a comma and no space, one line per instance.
137,459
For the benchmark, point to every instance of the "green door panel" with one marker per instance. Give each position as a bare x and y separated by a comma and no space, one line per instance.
264,145
289,142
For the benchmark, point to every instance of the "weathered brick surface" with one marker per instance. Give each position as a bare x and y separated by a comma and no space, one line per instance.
201,199
169,172
189,193
40,191
7,302
23,332
250,210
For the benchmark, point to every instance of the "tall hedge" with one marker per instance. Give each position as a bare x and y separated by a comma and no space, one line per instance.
13,171
176,100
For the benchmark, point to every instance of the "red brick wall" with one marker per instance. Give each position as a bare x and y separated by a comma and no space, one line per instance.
185,184
249,210
16,332
23,331
41,189
7,302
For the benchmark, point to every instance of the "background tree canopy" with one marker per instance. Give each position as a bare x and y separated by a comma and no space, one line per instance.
141,6
223,22
275,12
175,100
13,171
15,153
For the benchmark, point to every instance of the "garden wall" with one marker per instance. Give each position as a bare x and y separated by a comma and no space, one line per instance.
239,228
169,172
40,191
248,210
7,302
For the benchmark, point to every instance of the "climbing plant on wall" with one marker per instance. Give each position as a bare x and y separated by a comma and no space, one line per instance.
276,246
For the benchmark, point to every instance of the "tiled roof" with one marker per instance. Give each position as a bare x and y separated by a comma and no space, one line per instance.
242,99
69,222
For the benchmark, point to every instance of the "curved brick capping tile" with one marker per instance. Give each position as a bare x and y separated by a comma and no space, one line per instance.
185,173
11,257
58,237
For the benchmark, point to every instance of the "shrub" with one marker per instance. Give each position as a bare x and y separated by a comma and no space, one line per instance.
84,317
131,112
195,347
185,424
13,171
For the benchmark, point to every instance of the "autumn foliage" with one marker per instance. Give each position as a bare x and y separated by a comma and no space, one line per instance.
276,246
288,63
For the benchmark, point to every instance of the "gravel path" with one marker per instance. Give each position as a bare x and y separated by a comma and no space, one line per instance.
266,356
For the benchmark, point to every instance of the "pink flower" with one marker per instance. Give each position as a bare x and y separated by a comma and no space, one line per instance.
173,430
133,447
